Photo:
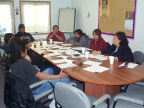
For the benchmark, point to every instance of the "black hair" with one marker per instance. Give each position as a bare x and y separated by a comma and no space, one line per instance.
55,26
97,32
80,32
7,37
16,47
122,36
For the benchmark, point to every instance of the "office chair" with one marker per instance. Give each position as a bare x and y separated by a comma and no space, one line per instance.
126,100
17,94
68,96
136,87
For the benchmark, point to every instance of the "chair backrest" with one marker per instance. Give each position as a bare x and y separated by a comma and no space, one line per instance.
70,97
5,65
17,93
138,57
108,45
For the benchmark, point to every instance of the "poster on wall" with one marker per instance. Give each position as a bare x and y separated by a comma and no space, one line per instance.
129,20
104,8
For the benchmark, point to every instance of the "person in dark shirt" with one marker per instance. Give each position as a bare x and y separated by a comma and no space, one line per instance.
120,49
24,35
23,69
7,39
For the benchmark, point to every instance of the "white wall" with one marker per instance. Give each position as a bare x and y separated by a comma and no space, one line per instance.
55,6
91,23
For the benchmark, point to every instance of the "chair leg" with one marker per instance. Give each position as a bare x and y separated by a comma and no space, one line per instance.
108,103
114,104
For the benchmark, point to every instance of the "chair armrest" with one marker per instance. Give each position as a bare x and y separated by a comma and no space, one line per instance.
140,83
129,99
101,99
72,84
39,83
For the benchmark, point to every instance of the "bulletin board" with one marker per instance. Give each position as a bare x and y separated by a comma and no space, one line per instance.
66,20
117,15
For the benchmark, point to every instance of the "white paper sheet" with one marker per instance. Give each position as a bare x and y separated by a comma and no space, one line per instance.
98,69
57,42
64,47
51,45
64,57
99,57
62,61
66,65
71,52
57,46
93,63
130,65
53,54
66,44
56,51
128,24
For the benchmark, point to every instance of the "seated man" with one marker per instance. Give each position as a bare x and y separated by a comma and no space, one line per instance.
24,35
56,35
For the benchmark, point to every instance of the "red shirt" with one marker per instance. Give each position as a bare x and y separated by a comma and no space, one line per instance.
99,45
61,34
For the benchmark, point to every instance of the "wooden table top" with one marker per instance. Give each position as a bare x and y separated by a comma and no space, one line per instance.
113,76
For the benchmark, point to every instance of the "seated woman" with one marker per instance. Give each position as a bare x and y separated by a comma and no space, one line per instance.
80,39
7,39
120,49
98,43
24,70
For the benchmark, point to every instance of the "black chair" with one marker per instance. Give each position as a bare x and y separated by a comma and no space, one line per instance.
108,45
17,94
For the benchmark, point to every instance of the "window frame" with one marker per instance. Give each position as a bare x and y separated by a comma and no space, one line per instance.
13,16
36,2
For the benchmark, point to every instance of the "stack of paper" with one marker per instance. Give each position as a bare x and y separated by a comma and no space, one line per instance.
130,65
62,61
97,68
64,47
93,63
66,44
57,42
71,52
53,54
99,57
66,65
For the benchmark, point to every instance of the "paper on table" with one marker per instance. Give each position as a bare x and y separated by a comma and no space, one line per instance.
97,68
93,63
56,51
64,57
37,48
57,46
99,57
71,52
66,44
64,47
66,65
50,45
130,65
57,42
77,48
62,61
52,54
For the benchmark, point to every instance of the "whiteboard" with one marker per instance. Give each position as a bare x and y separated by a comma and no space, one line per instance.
67,20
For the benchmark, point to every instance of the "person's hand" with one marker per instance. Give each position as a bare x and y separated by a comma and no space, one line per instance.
63,75
45,52
94,52
27,58
54,32
71,41
29,45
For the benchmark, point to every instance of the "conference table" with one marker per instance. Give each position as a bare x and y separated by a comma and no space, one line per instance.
98,84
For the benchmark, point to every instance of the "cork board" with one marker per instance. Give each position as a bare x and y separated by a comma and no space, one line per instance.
113,16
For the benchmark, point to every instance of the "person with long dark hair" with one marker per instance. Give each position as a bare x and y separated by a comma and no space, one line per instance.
80,39
22,68
98,43
120,49
7,39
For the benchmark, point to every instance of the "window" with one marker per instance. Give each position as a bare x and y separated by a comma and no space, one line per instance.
35,16
6,18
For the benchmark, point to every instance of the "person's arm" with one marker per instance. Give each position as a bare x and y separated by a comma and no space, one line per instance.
102,45
32,39
81,42
109,51
50,36
69,40
59,37
48,76
126,55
